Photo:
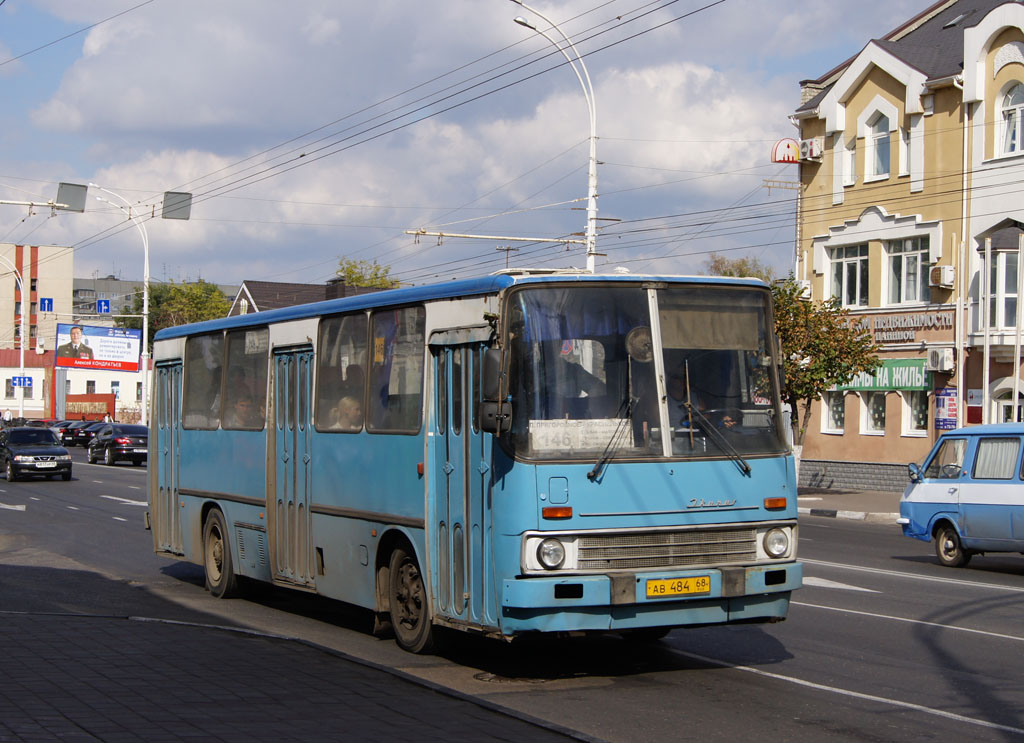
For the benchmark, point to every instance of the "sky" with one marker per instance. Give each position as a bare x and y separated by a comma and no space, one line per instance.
317,130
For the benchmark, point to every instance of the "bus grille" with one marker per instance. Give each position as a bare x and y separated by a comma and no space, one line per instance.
667,549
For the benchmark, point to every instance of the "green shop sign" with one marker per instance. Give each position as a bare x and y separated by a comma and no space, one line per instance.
894,374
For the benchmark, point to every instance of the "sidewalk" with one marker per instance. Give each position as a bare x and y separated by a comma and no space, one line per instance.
862,505
73,669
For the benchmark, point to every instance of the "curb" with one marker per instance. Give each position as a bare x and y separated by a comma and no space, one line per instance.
873,517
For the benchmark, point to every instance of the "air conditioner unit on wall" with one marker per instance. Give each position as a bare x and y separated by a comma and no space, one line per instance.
941,276
939,360
810,149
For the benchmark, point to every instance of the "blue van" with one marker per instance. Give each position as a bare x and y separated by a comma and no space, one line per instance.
969,494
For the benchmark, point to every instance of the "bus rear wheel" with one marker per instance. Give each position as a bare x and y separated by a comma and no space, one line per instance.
407,602
221,581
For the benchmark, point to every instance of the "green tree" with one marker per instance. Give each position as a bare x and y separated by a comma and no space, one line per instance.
173,304
821,347
719,265
366,273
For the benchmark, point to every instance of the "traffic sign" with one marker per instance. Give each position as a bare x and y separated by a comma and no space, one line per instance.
21,381
103,306
46,304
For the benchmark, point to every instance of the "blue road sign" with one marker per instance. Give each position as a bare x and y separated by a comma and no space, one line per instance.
102,306
21,381
46,304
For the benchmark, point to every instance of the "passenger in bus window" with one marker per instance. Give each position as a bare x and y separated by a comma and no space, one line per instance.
348,414
244,414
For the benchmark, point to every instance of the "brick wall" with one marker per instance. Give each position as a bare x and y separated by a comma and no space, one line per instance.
819,473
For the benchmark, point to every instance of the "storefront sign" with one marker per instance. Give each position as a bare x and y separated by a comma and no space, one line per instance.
903,328
893,374
945,408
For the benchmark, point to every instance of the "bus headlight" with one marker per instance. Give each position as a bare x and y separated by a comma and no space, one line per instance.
776,542
551,553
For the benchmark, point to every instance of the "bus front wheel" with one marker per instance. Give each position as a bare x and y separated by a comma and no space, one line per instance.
407,601
220,573
948,548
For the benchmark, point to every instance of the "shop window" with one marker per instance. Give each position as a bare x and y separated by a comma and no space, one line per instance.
874,413
115,389
9,389
834,412
90,387
908,270
915,413
1013,103
877,153
850,275
1002,298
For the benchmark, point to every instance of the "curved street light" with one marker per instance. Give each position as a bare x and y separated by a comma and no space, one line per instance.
21,345
126,209
588,93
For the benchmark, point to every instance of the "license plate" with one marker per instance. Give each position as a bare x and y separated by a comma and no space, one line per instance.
139,451
657,589
45,465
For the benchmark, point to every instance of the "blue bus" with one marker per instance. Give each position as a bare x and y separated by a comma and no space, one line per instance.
523,452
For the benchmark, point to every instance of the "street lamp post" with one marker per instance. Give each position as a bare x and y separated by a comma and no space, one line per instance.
24,339
588,93
126,209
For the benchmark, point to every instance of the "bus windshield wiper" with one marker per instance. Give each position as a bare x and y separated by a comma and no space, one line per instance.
614,443
716,436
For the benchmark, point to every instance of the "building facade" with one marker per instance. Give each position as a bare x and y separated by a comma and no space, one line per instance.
909,214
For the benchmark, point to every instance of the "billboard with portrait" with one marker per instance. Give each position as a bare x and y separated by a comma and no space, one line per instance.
93,347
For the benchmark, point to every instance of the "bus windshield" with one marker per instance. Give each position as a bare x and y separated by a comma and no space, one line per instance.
583,373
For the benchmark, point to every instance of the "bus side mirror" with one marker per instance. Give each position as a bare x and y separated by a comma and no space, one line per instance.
494,415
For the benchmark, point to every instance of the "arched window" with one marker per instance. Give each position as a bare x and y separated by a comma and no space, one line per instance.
878,147
1013,103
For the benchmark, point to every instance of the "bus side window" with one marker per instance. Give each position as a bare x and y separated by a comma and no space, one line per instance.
341,364
245,394
204,366
395,398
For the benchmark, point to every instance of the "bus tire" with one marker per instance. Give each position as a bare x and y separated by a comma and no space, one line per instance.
407,601
221,581
948,548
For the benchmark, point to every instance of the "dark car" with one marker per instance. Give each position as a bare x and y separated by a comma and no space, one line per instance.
68,437
82,435
116,441
33,451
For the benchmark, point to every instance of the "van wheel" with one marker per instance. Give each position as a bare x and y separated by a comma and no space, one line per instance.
220,573
948,548
407,599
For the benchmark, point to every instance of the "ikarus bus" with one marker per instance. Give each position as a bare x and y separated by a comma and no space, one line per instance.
523,452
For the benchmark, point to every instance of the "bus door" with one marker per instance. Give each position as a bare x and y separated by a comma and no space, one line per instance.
461,472
165,512
288,514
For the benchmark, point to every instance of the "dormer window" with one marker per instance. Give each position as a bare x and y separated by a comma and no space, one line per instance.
1013,103
878,148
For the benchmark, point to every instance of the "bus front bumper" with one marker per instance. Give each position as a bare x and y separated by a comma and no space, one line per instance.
631,601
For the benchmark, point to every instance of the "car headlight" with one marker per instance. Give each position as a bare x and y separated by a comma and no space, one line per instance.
23,458
64,457
551,553
776,542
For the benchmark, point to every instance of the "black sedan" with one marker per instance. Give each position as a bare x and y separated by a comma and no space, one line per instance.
115,441
72,429
82,435
33,451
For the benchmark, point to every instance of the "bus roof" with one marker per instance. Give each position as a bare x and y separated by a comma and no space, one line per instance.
414,294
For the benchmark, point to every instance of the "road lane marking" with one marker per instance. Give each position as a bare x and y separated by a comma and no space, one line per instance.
126,501
12,508
135,487
118,518
915,576
73,508
853,694
823,583
873,615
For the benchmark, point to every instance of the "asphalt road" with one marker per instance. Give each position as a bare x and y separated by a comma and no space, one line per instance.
882,643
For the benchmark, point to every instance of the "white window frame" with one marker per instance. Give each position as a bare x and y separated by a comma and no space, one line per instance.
866,427
839,256
1000,316
917,248
904,152
826,411
1010,121
907,397
877,141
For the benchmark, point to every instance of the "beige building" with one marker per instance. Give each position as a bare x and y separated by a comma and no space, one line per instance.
47,271
910,156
